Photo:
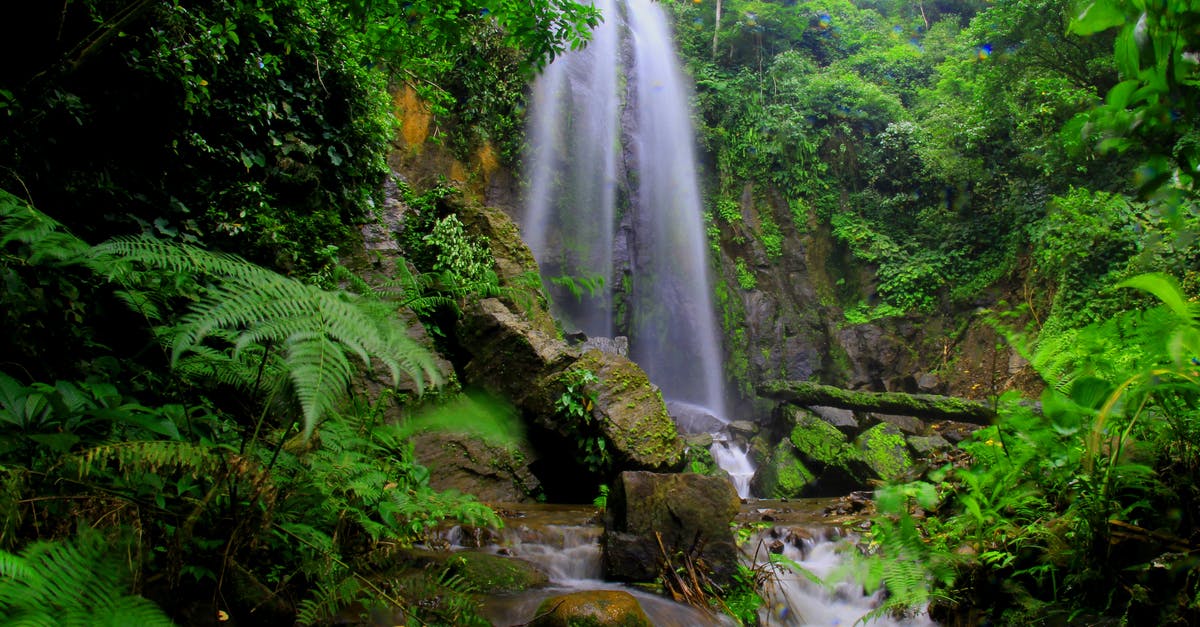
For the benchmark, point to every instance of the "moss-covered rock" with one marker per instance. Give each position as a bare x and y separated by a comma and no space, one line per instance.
884,449
811,458
924,446
685,514
827,452
490,574
632,414
509,357
591,608
784,475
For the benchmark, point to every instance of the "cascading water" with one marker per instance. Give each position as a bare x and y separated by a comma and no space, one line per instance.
563,541
794,599
589,141
573,132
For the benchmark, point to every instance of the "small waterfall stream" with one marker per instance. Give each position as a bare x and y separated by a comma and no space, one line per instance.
564,542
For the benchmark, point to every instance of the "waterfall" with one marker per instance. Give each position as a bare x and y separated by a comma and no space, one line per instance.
614,194
573,134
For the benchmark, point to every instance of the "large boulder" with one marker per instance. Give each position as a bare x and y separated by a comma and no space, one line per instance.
507,353
509,357
691,418
631,413
468,463
591,608
885,450
682,514
812,458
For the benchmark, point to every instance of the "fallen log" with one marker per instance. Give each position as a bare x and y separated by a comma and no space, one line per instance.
924,406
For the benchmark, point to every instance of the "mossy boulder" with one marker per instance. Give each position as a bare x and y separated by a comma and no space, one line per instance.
784,475
470,464
808,457
507,352
838,466
684,514
631,413
490,574
884,449
511,358
591,608
925,446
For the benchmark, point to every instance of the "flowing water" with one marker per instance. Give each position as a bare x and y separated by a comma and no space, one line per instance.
614,207
734,459
564,542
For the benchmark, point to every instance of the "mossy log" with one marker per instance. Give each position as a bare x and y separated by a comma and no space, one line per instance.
924,406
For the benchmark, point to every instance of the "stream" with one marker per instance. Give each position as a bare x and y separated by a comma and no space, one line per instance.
564,542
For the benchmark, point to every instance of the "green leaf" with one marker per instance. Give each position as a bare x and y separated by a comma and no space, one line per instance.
1165,288
1119,96
1127,54
1098,16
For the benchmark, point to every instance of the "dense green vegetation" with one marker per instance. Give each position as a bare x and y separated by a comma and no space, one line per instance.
941,145
183,412
1042,149
197,404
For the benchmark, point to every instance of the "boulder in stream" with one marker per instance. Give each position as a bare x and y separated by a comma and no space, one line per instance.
684,515
591,607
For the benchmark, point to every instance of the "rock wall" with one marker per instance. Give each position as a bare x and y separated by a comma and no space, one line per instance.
783,315
781,308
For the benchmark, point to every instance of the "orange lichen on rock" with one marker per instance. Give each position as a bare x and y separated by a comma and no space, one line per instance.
414,116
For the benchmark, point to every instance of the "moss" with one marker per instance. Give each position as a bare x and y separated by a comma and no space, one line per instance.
492,573
885,451
791,475
821,441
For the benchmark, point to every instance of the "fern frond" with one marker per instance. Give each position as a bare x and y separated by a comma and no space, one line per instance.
46,238
328,599
175,257
156,456
320,375
74,582
250,306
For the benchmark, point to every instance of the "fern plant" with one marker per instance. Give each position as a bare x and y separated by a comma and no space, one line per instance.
320,506
81,581
1048,495
315,331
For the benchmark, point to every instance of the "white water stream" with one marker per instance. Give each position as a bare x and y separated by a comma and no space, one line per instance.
564,542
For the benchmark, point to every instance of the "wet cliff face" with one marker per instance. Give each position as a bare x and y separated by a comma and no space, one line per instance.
782,287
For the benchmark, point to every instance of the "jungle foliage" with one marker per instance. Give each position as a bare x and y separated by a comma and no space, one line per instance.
1041,146
940,143
198,406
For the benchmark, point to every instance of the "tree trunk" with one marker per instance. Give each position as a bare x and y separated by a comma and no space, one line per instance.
924,406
